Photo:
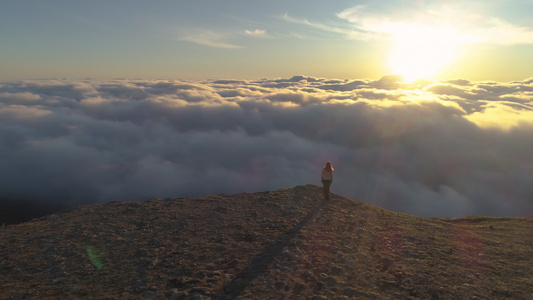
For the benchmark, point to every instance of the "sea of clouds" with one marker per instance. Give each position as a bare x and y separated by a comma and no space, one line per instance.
445,149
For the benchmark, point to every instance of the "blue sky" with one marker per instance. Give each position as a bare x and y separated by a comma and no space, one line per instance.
255,39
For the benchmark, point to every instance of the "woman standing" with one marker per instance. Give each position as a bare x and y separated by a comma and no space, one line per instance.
327,179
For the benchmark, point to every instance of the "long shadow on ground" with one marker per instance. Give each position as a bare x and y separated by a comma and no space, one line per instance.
263,260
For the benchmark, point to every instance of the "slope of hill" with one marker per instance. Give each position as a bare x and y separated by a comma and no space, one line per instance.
285,244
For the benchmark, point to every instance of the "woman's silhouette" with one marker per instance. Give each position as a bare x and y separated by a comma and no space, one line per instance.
327,179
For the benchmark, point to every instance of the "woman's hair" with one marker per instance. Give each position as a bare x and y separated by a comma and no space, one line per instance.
328,166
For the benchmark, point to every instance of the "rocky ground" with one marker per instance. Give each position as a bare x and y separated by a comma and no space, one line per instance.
285,244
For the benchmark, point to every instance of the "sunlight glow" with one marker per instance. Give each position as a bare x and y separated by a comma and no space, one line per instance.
501,116
421,51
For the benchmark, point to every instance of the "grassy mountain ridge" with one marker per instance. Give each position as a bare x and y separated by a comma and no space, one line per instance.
284,244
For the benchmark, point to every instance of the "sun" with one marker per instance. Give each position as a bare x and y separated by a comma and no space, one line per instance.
421,51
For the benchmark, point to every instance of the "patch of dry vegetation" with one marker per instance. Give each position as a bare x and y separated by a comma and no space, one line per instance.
286,244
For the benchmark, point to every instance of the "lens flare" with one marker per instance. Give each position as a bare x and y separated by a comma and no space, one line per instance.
95,257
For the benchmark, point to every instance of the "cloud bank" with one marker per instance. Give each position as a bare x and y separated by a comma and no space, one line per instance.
445,149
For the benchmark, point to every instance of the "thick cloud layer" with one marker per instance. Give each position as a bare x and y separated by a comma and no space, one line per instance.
446,149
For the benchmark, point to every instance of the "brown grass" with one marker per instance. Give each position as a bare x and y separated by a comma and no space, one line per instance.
286,244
